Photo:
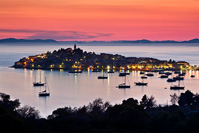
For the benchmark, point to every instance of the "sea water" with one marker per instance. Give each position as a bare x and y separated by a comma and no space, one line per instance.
75,90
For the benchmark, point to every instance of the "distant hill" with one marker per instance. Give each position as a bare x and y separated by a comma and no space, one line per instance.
196,40
13,40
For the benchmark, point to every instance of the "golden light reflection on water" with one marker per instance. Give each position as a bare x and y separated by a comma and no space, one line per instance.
89,72
76,79
108,80
190,72
25,72
197,75
31,75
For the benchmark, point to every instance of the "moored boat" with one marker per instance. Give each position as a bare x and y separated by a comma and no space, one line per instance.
46,92
140,83
177,87
171,80
141,72
110,72
178,78
168,73
150,74
181,74
38,83
143,77
192,76
124,74
164,76
123,85
102,77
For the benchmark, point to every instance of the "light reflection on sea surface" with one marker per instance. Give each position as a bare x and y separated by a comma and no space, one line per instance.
75,90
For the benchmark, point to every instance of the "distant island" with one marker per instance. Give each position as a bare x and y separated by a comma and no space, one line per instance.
13,40
196,40
77,59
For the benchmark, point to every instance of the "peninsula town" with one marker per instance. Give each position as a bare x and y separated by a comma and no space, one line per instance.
77,59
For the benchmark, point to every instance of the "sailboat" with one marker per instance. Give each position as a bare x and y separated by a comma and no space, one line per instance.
164,76
192,76
141,83
143,77
46,92
123,85
150,74
38,83
177,87
111,71
124,74
102,77
178,78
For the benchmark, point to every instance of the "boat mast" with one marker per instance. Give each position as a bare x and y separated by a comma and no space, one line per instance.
47,85
35,78
40,76
125,80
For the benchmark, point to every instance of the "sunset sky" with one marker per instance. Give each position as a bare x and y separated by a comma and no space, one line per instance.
106,20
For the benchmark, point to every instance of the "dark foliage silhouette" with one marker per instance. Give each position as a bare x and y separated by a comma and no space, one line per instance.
101,117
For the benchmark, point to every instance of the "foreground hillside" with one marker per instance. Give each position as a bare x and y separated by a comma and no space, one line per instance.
99,116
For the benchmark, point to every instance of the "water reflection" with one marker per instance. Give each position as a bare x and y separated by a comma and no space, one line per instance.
79,89
25,72
75,80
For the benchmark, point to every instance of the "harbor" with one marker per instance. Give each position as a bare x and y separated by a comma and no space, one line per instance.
71,88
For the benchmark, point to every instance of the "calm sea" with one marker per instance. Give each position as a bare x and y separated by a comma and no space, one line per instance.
76,90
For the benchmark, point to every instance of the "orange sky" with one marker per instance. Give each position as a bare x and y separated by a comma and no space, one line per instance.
100,19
